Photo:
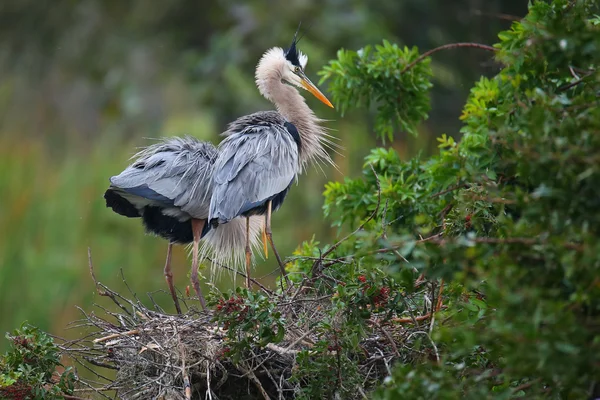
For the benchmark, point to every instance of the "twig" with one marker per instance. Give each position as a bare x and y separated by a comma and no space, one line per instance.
208,389
383,219
450,189
444,47
278,387
157,308
116,335
301,338
437,239
439,300
106,292
186,379
91,267
575,83
411,319
99,364
362,393
281,350
256,382
69,397
384,235
573,74
518,240
506,17
437,354
387,366
389,338
410,311
339,362
525,385
129,288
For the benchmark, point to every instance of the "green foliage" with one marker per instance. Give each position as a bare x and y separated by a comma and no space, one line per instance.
250,320
330,367
375,75
508,215
302,263
28,369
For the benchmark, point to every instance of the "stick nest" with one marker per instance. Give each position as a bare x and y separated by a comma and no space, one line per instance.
152,354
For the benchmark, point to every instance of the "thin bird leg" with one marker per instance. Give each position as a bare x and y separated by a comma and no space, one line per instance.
270,237
197,225
169,278
264,239
248,254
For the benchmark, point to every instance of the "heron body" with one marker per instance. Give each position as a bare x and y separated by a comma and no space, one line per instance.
264,152
257,162
168,186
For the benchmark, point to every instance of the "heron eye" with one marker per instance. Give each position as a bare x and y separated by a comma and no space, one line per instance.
296,69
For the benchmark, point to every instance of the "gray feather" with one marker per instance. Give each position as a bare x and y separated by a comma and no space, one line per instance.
226,244
174,174
257,160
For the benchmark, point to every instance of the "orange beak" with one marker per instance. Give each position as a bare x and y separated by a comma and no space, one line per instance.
308,85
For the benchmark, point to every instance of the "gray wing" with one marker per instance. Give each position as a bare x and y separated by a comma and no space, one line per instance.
174,174
252,166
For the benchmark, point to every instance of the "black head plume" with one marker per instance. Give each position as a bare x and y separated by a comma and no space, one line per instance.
292,54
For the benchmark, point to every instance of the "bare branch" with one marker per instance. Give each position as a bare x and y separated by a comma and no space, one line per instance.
445,47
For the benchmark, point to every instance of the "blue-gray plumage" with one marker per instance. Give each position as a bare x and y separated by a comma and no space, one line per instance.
173,176
264,152
257,162
169,187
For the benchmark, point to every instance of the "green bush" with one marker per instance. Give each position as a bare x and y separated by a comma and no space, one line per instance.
509,215
28,370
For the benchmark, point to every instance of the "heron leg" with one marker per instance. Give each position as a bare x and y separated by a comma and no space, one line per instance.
270,237
264,239
169,278
197,225
248,254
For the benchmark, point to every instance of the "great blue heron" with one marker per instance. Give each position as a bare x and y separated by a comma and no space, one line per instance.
168,186
264,152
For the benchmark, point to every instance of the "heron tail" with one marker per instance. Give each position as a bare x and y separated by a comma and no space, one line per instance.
225,245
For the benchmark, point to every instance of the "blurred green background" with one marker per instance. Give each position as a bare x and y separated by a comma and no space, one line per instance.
84,83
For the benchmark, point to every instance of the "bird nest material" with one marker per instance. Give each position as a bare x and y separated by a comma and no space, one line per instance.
156,355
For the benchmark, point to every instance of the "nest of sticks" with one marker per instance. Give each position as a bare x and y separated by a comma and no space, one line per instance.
152,354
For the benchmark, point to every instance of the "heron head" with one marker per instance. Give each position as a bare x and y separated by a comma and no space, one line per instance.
294,71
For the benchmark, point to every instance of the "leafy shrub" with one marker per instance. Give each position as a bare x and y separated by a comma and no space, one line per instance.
508,215
250,320
28,370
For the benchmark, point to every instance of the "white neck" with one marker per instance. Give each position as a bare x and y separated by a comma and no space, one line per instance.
292,106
